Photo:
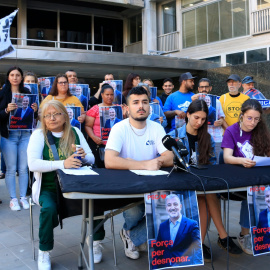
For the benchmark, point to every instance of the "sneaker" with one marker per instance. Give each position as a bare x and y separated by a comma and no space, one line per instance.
2,175
245,243
129,247
233,248
206,253
24,203
14,205
97,251
44,261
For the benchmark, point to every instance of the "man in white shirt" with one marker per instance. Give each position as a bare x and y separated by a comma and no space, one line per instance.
136,144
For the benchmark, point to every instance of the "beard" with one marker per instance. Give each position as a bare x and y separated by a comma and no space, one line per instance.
142,119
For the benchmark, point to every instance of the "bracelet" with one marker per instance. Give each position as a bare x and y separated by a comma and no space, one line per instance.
6,111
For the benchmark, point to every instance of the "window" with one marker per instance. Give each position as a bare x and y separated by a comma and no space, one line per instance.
41,25
135,28
215,59
74,32
216,21
169,18
257,55
235,59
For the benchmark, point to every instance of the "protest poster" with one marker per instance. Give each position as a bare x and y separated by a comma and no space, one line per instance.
181,247
33,88
153,91
45,85
211,101
155,112
265,103
23,117
81,91
109,116
6,46
117,86
179,122
259,206
73,114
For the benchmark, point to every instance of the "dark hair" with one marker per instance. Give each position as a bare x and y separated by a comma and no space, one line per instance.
30,73
204,80
204,138
168,80
260,138
106,86
138,90
54,91
7,83
128,84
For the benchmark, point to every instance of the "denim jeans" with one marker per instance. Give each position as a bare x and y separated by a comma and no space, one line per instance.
13,149
135,222
244,215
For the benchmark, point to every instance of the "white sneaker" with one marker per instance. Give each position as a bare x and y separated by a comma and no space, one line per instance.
245,243
24,203
97,251
44,261
14,205
130,249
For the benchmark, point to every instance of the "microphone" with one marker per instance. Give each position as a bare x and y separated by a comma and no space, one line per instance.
177,148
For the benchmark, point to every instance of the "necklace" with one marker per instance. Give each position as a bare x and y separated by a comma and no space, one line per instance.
134,130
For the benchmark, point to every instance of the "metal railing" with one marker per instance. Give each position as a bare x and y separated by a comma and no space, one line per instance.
168,42
260,21
57,44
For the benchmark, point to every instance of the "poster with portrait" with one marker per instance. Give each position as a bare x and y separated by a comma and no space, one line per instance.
82,92
259,207
45,84
23,117
73,114
117,86
109,116
153,91
155,112
211,101
33,88
173,229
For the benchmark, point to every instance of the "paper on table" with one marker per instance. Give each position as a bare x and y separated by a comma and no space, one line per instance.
81,171
149,173
262,161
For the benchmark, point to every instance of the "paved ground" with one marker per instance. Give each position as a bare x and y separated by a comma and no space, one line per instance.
16,254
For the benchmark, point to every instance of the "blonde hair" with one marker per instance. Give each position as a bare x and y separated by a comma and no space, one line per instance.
152,83
68,137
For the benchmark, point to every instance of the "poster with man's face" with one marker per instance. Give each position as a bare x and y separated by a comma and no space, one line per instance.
173,229
153,91
117,86
33,88
82,92
259,217
73,114
45,84
109,116
23,117
211,101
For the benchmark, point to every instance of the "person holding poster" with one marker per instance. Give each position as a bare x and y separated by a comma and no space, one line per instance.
201,148
60,91
241,141
43,162
14,143
184,234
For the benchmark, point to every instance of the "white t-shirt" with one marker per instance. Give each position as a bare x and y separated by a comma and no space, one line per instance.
123,139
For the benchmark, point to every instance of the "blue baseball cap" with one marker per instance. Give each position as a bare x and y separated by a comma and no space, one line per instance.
186,76
248,79
234,77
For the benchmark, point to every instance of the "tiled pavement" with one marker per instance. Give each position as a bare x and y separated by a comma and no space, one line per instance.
16,254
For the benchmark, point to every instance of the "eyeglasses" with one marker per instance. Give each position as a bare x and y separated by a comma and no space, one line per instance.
54,115
250,119
63,83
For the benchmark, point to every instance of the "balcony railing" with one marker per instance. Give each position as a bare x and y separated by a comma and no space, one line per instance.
168,42
261,21
59,44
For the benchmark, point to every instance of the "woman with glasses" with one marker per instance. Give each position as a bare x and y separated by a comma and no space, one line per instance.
14,142
241,142
54,122
60,91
